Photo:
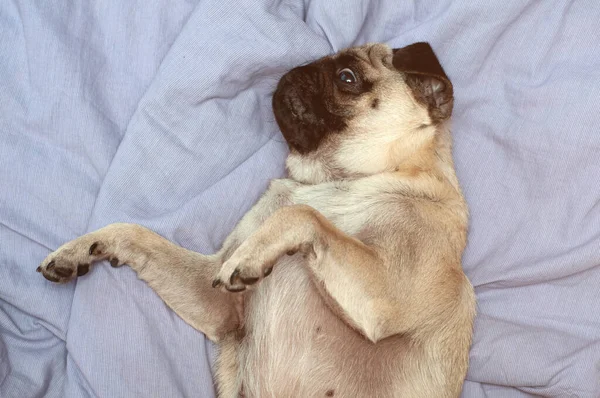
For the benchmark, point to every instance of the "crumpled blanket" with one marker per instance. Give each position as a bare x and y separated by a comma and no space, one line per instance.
159,113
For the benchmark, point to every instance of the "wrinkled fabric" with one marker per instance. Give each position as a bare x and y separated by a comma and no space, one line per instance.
159,113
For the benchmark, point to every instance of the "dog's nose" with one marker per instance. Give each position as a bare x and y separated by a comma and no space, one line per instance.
295,93
287,80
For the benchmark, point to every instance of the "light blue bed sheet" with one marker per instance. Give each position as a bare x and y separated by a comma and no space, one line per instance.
159,113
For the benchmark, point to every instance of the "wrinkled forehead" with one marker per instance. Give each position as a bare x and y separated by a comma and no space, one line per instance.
370,60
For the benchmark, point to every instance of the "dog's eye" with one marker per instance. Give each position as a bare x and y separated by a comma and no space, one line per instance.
347,76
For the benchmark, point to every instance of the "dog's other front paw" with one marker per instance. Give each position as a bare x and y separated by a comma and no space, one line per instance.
245,268
60,269
74,259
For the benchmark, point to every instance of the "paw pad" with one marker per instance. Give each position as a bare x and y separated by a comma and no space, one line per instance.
63,272
82,269
249,281
235,289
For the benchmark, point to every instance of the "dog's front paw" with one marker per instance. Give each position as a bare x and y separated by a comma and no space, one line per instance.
73,259
246,267
61,269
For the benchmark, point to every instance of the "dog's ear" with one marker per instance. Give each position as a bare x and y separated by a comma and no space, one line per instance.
426,78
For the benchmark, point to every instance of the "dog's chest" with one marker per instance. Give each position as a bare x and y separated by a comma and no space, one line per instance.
346,204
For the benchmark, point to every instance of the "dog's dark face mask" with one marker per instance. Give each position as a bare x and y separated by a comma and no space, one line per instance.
320,100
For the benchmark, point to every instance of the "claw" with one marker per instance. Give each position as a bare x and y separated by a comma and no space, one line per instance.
39,269
216,283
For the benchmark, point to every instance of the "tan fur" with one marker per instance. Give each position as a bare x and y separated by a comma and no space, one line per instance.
367,297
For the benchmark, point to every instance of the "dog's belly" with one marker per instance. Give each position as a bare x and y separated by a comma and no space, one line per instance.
295,346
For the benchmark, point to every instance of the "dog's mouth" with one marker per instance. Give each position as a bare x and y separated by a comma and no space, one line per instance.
301,111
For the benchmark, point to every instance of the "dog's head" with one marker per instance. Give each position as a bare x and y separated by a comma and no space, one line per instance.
361,111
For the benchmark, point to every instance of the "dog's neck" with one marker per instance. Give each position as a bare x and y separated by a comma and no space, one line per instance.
433,156
444,158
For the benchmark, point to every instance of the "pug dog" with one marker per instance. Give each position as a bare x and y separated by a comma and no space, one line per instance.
344,279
